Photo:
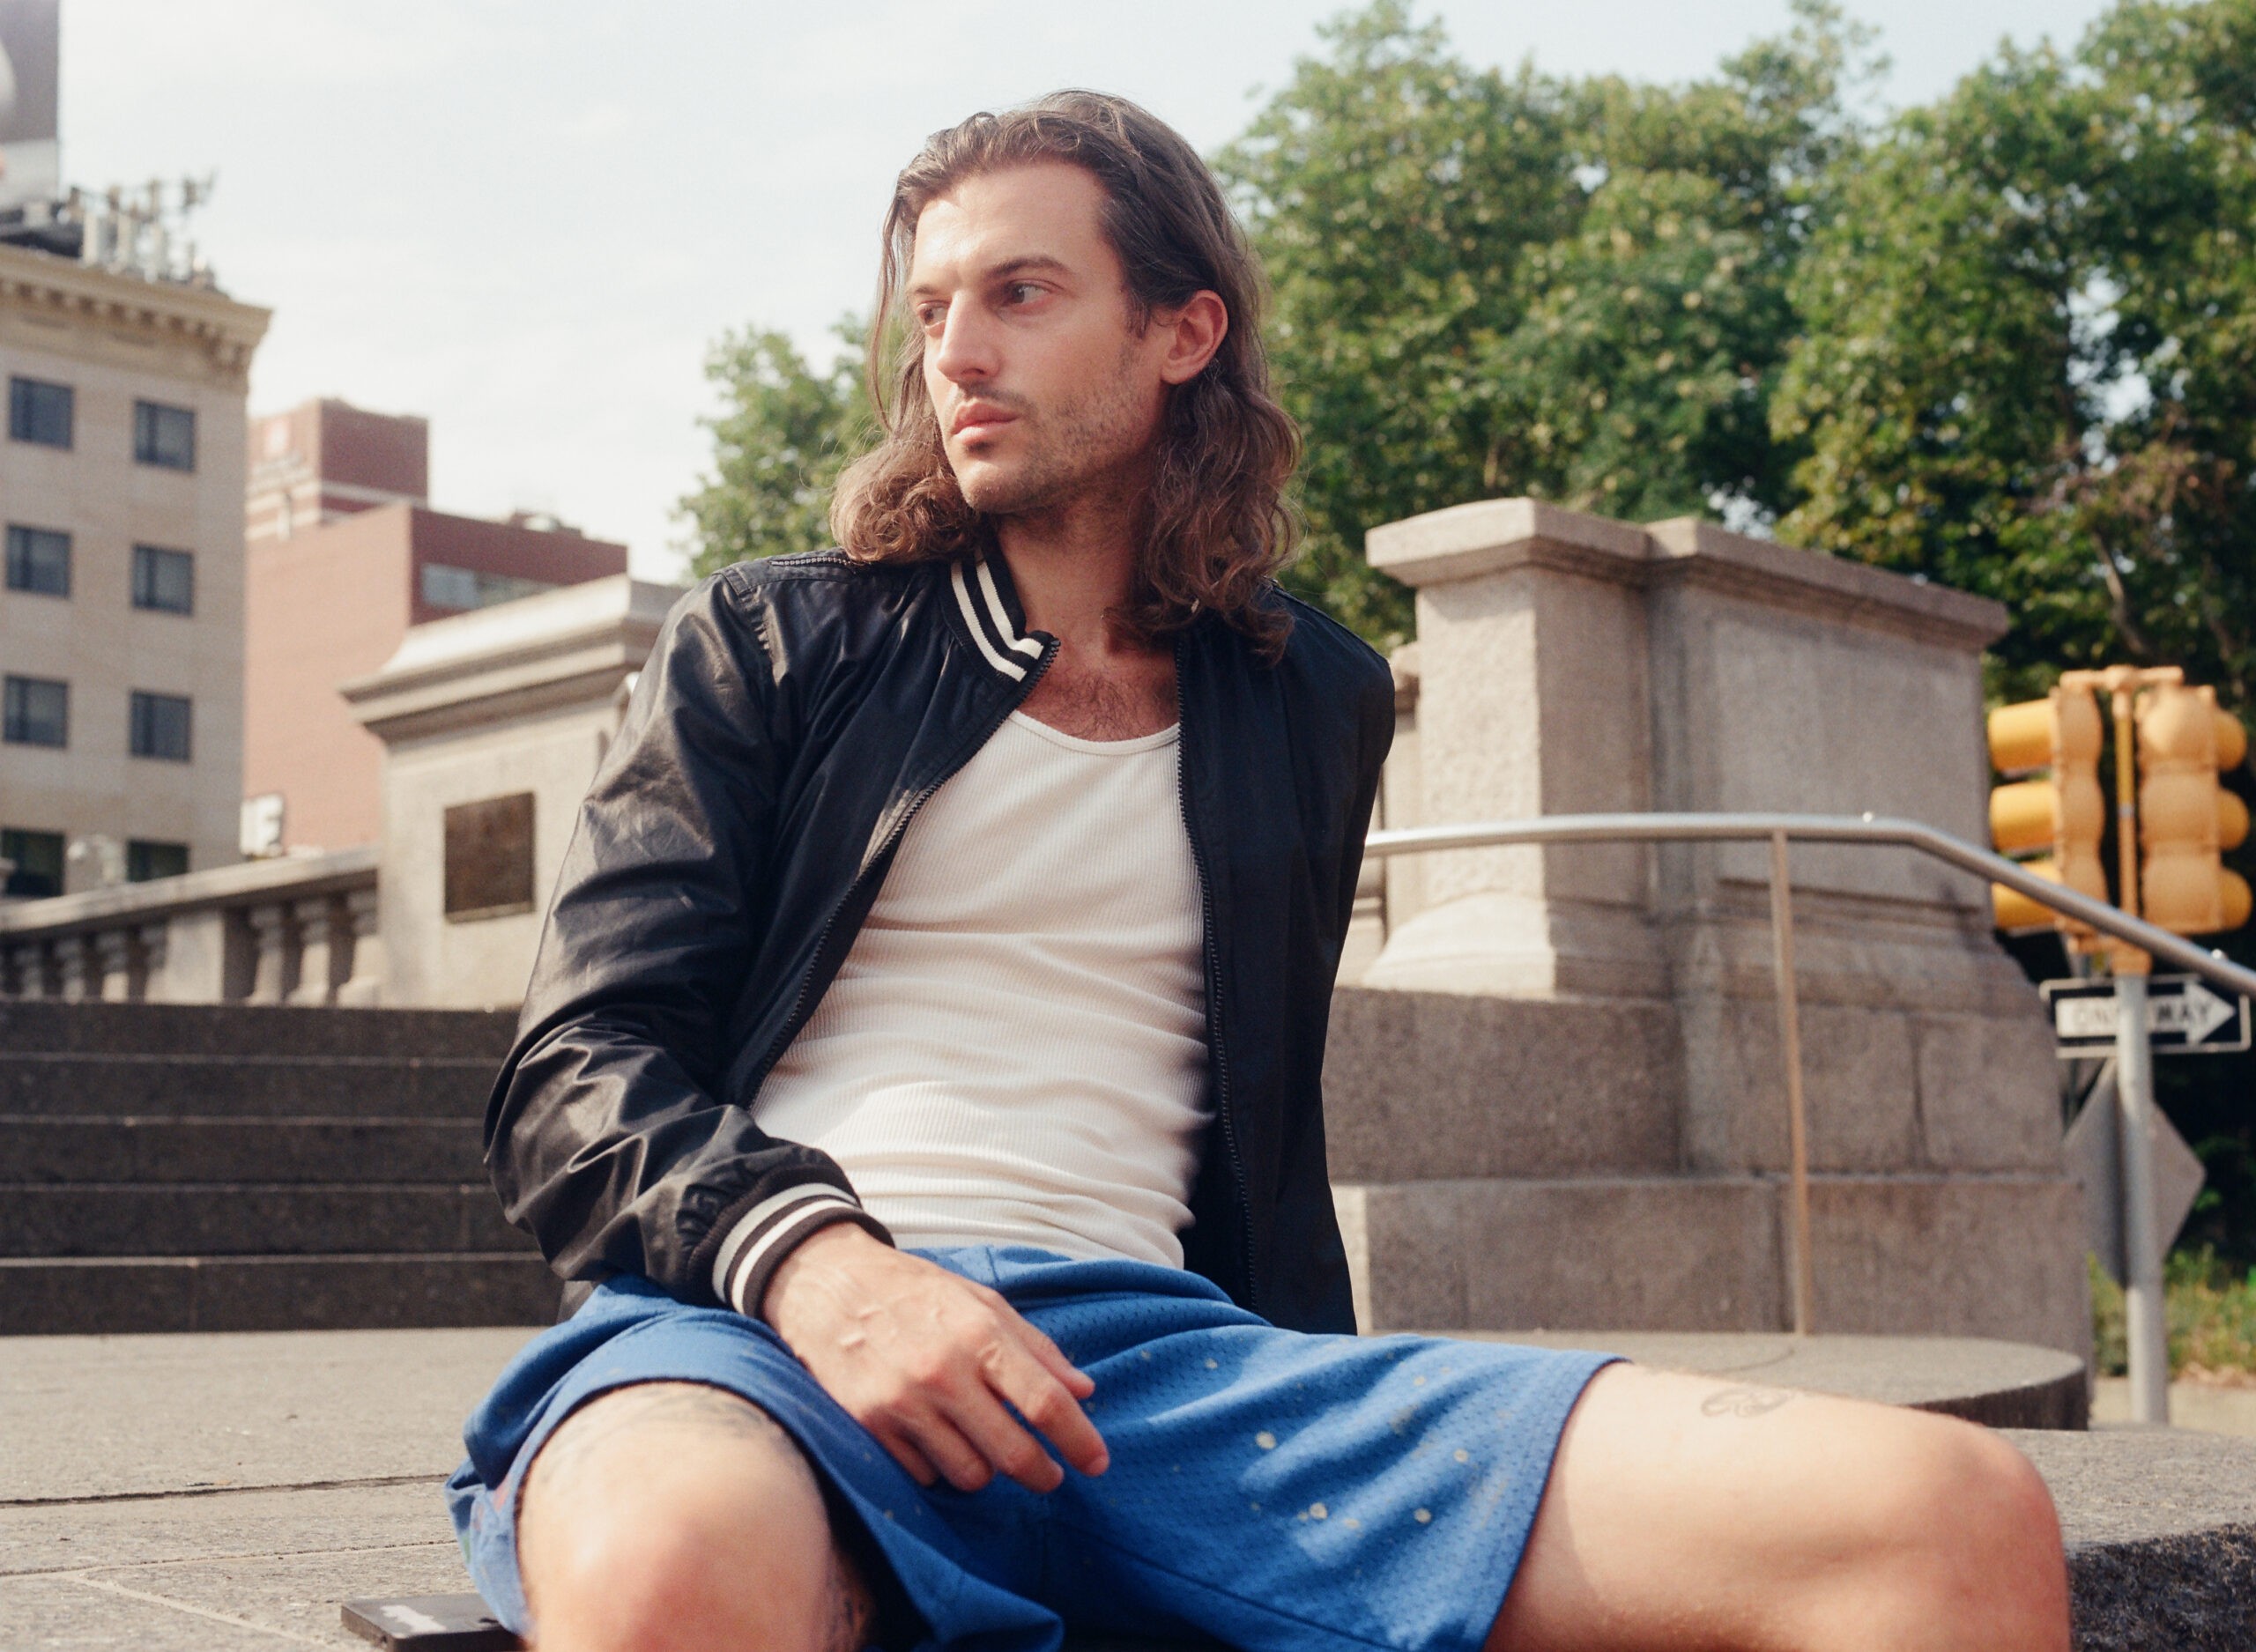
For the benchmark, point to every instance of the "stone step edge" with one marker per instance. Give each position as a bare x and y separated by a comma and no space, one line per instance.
232,1120
294,1259
466,1185
165,1058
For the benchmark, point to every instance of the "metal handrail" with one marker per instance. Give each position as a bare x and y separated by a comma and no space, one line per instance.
1778,830
1821,828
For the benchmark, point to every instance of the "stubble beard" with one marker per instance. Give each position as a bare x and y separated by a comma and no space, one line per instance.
1087,447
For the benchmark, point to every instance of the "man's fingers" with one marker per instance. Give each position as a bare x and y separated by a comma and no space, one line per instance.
1012,1451
1077,1382
1043,1401
961,1464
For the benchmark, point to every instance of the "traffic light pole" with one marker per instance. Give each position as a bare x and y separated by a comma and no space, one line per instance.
2146,1320
2146,1330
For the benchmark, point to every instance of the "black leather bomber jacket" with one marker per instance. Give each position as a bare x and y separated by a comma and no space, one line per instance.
793,716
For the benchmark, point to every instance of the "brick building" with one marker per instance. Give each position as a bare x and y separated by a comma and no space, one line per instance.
343,555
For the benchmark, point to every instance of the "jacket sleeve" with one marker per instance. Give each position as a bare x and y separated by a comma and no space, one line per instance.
606,1134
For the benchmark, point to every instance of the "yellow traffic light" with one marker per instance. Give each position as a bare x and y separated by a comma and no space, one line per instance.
2063,813
2186,819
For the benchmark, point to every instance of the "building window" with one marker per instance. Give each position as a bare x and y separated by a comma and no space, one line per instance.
37,712
164,435
39,559
40,411
489,858
160,726
164,580
445,587
144,860
37,857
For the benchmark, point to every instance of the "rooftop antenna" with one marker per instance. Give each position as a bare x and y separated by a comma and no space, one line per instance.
144,232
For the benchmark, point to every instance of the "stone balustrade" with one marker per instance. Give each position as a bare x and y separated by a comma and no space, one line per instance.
301,929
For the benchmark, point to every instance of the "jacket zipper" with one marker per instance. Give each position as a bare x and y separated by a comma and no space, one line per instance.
883,859
1212,958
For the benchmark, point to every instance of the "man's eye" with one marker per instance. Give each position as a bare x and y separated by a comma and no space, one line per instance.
1022,292
931,315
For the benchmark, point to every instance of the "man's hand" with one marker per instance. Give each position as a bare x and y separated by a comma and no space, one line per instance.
925,1359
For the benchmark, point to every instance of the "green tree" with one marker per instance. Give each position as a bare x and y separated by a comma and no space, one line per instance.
784,434
1491,283
2028,360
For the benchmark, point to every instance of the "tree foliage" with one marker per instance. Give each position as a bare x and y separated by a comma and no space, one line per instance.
784,434
1492,284
2027,359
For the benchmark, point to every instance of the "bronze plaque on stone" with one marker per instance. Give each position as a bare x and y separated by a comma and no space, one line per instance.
489,858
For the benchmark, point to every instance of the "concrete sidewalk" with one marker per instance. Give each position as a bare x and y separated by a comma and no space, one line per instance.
205,1493
210,1492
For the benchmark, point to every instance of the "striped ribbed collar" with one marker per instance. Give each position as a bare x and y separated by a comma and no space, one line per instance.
988,617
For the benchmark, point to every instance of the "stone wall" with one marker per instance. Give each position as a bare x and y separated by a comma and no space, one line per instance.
1582,1042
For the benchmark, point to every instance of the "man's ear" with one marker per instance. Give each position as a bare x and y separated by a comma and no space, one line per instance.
1193,333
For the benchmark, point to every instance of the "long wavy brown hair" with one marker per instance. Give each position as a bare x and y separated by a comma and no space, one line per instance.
1218,527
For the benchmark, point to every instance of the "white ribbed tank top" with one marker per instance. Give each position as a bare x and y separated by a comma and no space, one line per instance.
1014,1049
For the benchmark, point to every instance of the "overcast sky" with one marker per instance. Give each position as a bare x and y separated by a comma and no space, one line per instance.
527,219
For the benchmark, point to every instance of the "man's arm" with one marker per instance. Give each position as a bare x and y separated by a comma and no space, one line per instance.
606,1136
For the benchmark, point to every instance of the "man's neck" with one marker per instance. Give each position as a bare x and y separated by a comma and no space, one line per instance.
1075,569
1074,565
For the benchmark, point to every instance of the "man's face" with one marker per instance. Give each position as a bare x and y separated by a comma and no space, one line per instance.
1045,389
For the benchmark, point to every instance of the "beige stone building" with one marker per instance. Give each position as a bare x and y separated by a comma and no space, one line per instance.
121,611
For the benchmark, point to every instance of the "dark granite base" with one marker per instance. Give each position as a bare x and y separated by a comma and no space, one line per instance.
2160,1529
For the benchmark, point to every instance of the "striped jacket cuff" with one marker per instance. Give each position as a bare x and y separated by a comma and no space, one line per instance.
771,1230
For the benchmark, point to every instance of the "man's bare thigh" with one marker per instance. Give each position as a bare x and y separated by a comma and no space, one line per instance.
699,1483
1686,1511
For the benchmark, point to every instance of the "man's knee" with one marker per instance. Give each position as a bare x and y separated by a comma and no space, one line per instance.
676,1516
1985,1536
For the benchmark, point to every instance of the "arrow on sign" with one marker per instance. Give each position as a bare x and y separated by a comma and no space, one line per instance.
2195,1014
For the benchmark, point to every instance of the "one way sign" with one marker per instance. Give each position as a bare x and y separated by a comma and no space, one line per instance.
2184,1015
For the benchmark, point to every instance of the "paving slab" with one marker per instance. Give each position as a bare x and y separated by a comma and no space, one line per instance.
234,1527
2207,1408
107,1416
64,1614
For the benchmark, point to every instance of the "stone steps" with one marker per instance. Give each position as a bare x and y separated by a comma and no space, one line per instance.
61,1085
246,1029
78,1151
115,1295
125,1218
170,1167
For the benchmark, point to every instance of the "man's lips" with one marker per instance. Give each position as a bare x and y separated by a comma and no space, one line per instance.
976,417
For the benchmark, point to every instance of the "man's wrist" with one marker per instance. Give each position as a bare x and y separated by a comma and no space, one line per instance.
761,1239
817,1249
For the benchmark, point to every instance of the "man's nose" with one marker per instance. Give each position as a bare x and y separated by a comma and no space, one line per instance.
964,354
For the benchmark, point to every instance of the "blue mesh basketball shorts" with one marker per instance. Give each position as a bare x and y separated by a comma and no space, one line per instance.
1268,1489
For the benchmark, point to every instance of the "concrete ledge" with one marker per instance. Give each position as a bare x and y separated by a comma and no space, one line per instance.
2003,1385
1924,1255
2160,1529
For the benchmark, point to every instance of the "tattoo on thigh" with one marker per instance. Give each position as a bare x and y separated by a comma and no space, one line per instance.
1744,1402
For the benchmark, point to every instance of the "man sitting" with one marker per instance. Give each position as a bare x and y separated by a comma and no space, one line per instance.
924,1049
